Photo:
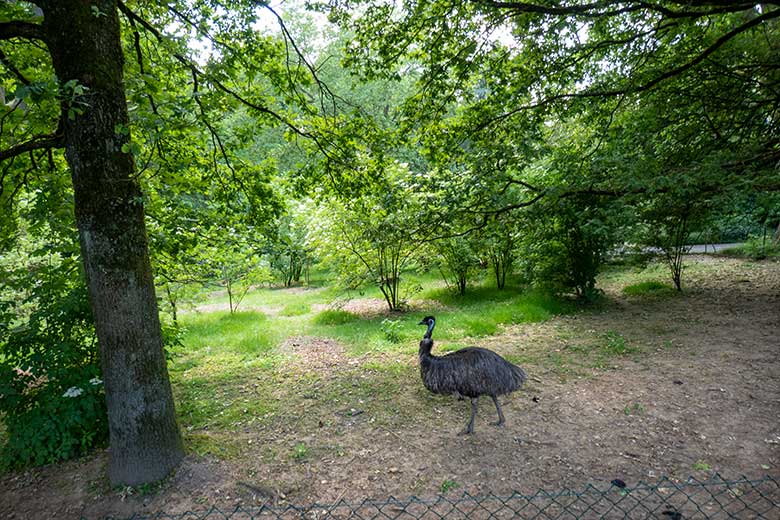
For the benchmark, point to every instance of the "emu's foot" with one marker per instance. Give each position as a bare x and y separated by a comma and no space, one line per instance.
500,424
468,430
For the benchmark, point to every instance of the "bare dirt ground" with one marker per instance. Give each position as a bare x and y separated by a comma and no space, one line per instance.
700,395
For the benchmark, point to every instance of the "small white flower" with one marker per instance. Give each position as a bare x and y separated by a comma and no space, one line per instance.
73,391
95,381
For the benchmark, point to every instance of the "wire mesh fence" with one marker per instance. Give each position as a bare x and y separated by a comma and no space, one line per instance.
665,499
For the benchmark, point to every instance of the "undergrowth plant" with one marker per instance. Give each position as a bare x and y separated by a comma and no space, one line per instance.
51,393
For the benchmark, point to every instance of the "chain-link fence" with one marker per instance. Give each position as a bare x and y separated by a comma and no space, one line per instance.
665,499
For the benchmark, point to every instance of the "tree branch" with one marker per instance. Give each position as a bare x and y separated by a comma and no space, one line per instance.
676,71
17,29
139,58
39,142
608,8
190,64
320,141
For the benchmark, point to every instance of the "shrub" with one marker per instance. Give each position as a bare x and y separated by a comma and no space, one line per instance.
46,424
755,248
50,389
563,250
392,330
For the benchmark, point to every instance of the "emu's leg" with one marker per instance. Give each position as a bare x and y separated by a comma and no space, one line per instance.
500,413
470,426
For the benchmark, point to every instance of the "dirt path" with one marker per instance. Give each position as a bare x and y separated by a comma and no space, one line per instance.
701,396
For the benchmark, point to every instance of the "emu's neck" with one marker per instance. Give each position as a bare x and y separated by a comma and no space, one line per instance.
427,342
428,332
425,347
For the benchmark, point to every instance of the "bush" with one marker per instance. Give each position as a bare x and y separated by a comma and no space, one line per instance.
45,424
563,250
392,330
51,394
755,248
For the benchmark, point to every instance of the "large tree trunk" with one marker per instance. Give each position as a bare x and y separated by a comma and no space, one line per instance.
84,41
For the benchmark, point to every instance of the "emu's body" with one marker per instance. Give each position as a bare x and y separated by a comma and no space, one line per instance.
469,372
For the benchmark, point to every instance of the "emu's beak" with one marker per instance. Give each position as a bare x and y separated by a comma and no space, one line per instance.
422,323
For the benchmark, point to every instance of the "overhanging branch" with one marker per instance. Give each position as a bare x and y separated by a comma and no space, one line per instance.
321,142
39,142
606,8
628,90
17,29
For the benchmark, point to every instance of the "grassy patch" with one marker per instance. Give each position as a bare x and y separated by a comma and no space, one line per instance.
476,318
229,378
218,444
756,249
622,276
614,344
223,377
297,308
649,288
335,317
242,332
599,352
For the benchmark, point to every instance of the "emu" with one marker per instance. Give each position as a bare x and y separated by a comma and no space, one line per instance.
469,372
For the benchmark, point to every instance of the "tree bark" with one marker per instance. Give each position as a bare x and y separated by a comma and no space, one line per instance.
84,42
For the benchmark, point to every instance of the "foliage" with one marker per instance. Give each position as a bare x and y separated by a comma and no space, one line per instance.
392,330
290,250
300,451
755,248
457,260
50,424
447,485
51,395
371,237
533,136
667,228
640,105
565,248
180,148
500,238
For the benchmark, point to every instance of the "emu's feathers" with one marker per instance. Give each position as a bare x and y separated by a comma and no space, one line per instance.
470,372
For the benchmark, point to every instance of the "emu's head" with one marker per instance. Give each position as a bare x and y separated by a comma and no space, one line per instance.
428,320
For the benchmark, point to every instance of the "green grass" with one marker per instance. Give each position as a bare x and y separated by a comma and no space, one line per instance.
296,309
648,288
230,374
241,332
600,352
335,317
483,311
757,249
